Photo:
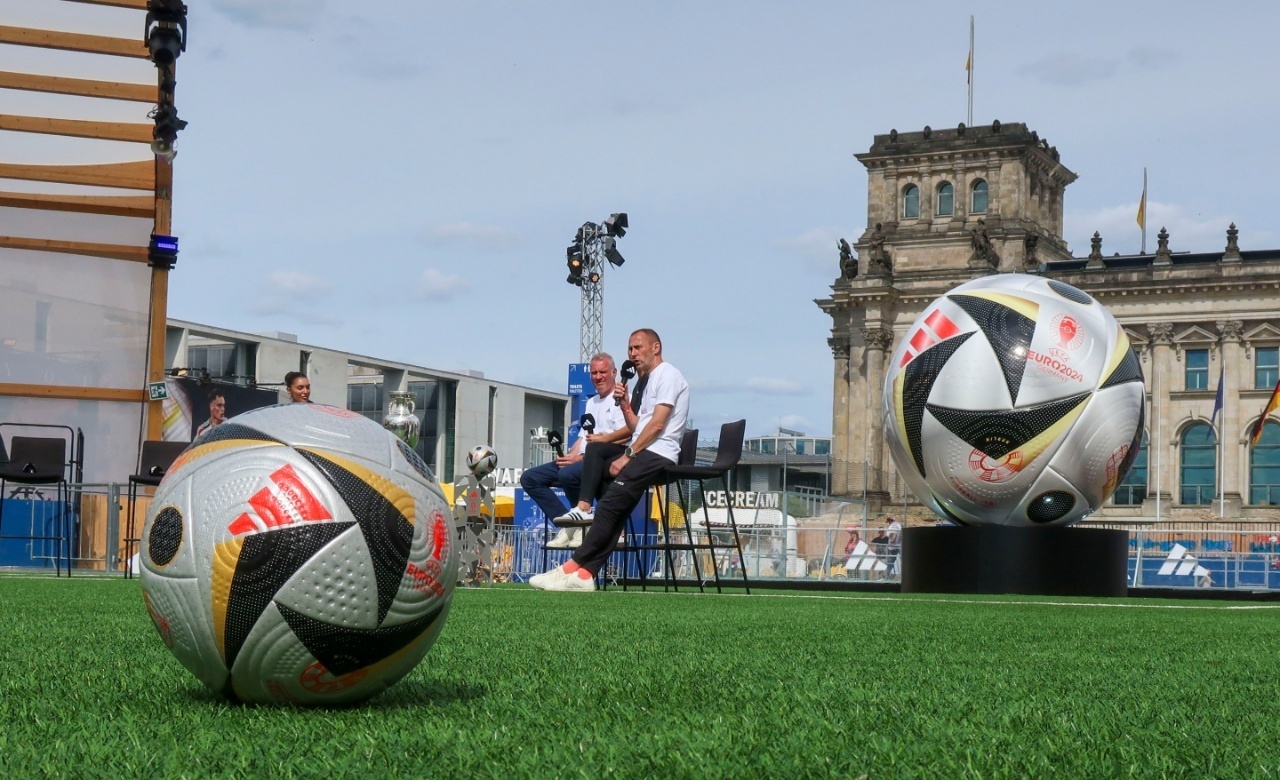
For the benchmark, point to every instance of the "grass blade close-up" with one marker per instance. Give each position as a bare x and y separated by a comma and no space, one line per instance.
530,684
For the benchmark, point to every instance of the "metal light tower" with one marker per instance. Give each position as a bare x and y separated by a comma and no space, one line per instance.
593,245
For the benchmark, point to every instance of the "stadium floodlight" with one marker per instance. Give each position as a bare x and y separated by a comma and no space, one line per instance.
592,246
611,252
616,225
166,30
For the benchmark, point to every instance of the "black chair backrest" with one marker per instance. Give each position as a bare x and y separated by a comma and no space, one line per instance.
40,455
4,453
730,450
688,448
158,456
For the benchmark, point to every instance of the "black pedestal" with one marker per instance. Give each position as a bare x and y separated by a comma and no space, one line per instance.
1001,559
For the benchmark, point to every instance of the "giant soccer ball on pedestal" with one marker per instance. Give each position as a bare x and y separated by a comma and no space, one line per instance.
1014,400
298,554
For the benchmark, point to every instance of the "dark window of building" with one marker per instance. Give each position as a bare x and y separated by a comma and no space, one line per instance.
946,199
979,199
1264,467
1266,367
1133,490
911,202
448,402
218,359
1197,371
426,405
366,398
1199,464
822,447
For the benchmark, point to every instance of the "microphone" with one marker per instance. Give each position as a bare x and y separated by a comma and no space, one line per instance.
628,372
556,440
588,423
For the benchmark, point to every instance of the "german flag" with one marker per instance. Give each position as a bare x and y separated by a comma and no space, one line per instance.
1272,405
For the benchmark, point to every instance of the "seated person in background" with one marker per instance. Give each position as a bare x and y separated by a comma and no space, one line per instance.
659,426
298,387
566,471
217,413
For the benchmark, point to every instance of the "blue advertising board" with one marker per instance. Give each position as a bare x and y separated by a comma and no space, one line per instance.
579,390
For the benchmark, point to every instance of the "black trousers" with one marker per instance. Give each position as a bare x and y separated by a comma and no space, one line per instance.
613,509
595,469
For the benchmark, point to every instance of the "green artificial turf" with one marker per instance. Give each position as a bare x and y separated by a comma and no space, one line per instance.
531,684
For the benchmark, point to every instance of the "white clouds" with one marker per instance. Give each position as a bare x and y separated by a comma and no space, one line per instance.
436,286
295,295
752,386
1118,227
1072,69
816,249
277,14
299,283
486,237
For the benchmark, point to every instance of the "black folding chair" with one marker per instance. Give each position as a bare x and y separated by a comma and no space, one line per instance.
38,460
728,453
153,463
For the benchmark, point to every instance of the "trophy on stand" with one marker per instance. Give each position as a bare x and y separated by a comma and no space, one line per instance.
473,515
400,418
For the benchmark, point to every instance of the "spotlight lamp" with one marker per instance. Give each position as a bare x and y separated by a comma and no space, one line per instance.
616,225
594,277
166,131
166,30
611,252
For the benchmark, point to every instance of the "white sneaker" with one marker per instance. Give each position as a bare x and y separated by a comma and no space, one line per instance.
557,579
577,535
563,540
575,516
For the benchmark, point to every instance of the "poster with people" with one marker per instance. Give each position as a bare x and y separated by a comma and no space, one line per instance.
194,406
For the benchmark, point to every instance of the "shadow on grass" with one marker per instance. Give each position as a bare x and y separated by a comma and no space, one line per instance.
407,694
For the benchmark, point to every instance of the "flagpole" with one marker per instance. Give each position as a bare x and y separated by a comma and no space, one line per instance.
971,70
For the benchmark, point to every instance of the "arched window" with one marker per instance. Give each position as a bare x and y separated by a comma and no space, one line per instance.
911,202
979,199
1133,490
1264,467
1199,464
946,199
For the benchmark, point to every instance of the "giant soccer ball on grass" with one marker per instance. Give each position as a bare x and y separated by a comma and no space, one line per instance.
298,554
1014,400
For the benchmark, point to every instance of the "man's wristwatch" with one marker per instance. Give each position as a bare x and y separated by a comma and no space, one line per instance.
629,452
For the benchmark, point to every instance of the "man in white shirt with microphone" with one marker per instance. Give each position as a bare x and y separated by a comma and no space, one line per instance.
658,425
566,470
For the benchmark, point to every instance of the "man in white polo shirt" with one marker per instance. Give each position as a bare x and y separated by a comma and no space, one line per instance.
658,425
566,470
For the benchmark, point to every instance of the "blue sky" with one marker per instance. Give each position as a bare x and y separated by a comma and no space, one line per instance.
400,179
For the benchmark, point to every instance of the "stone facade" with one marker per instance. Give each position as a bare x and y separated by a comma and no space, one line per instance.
1225,304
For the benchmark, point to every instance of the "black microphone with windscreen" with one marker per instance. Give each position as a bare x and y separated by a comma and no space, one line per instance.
556,441
588,423
627,372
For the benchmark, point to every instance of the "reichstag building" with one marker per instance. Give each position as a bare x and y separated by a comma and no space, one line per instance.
950,205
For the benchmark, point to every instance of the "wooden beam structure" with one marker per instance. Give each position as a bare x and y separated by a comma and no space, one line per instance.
138,254
140,5
74,393
79,128
61,85
65,41
125,176
143,206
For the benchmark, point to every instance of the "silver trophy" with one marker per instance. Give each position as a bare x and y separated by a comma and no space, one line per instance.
400,418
